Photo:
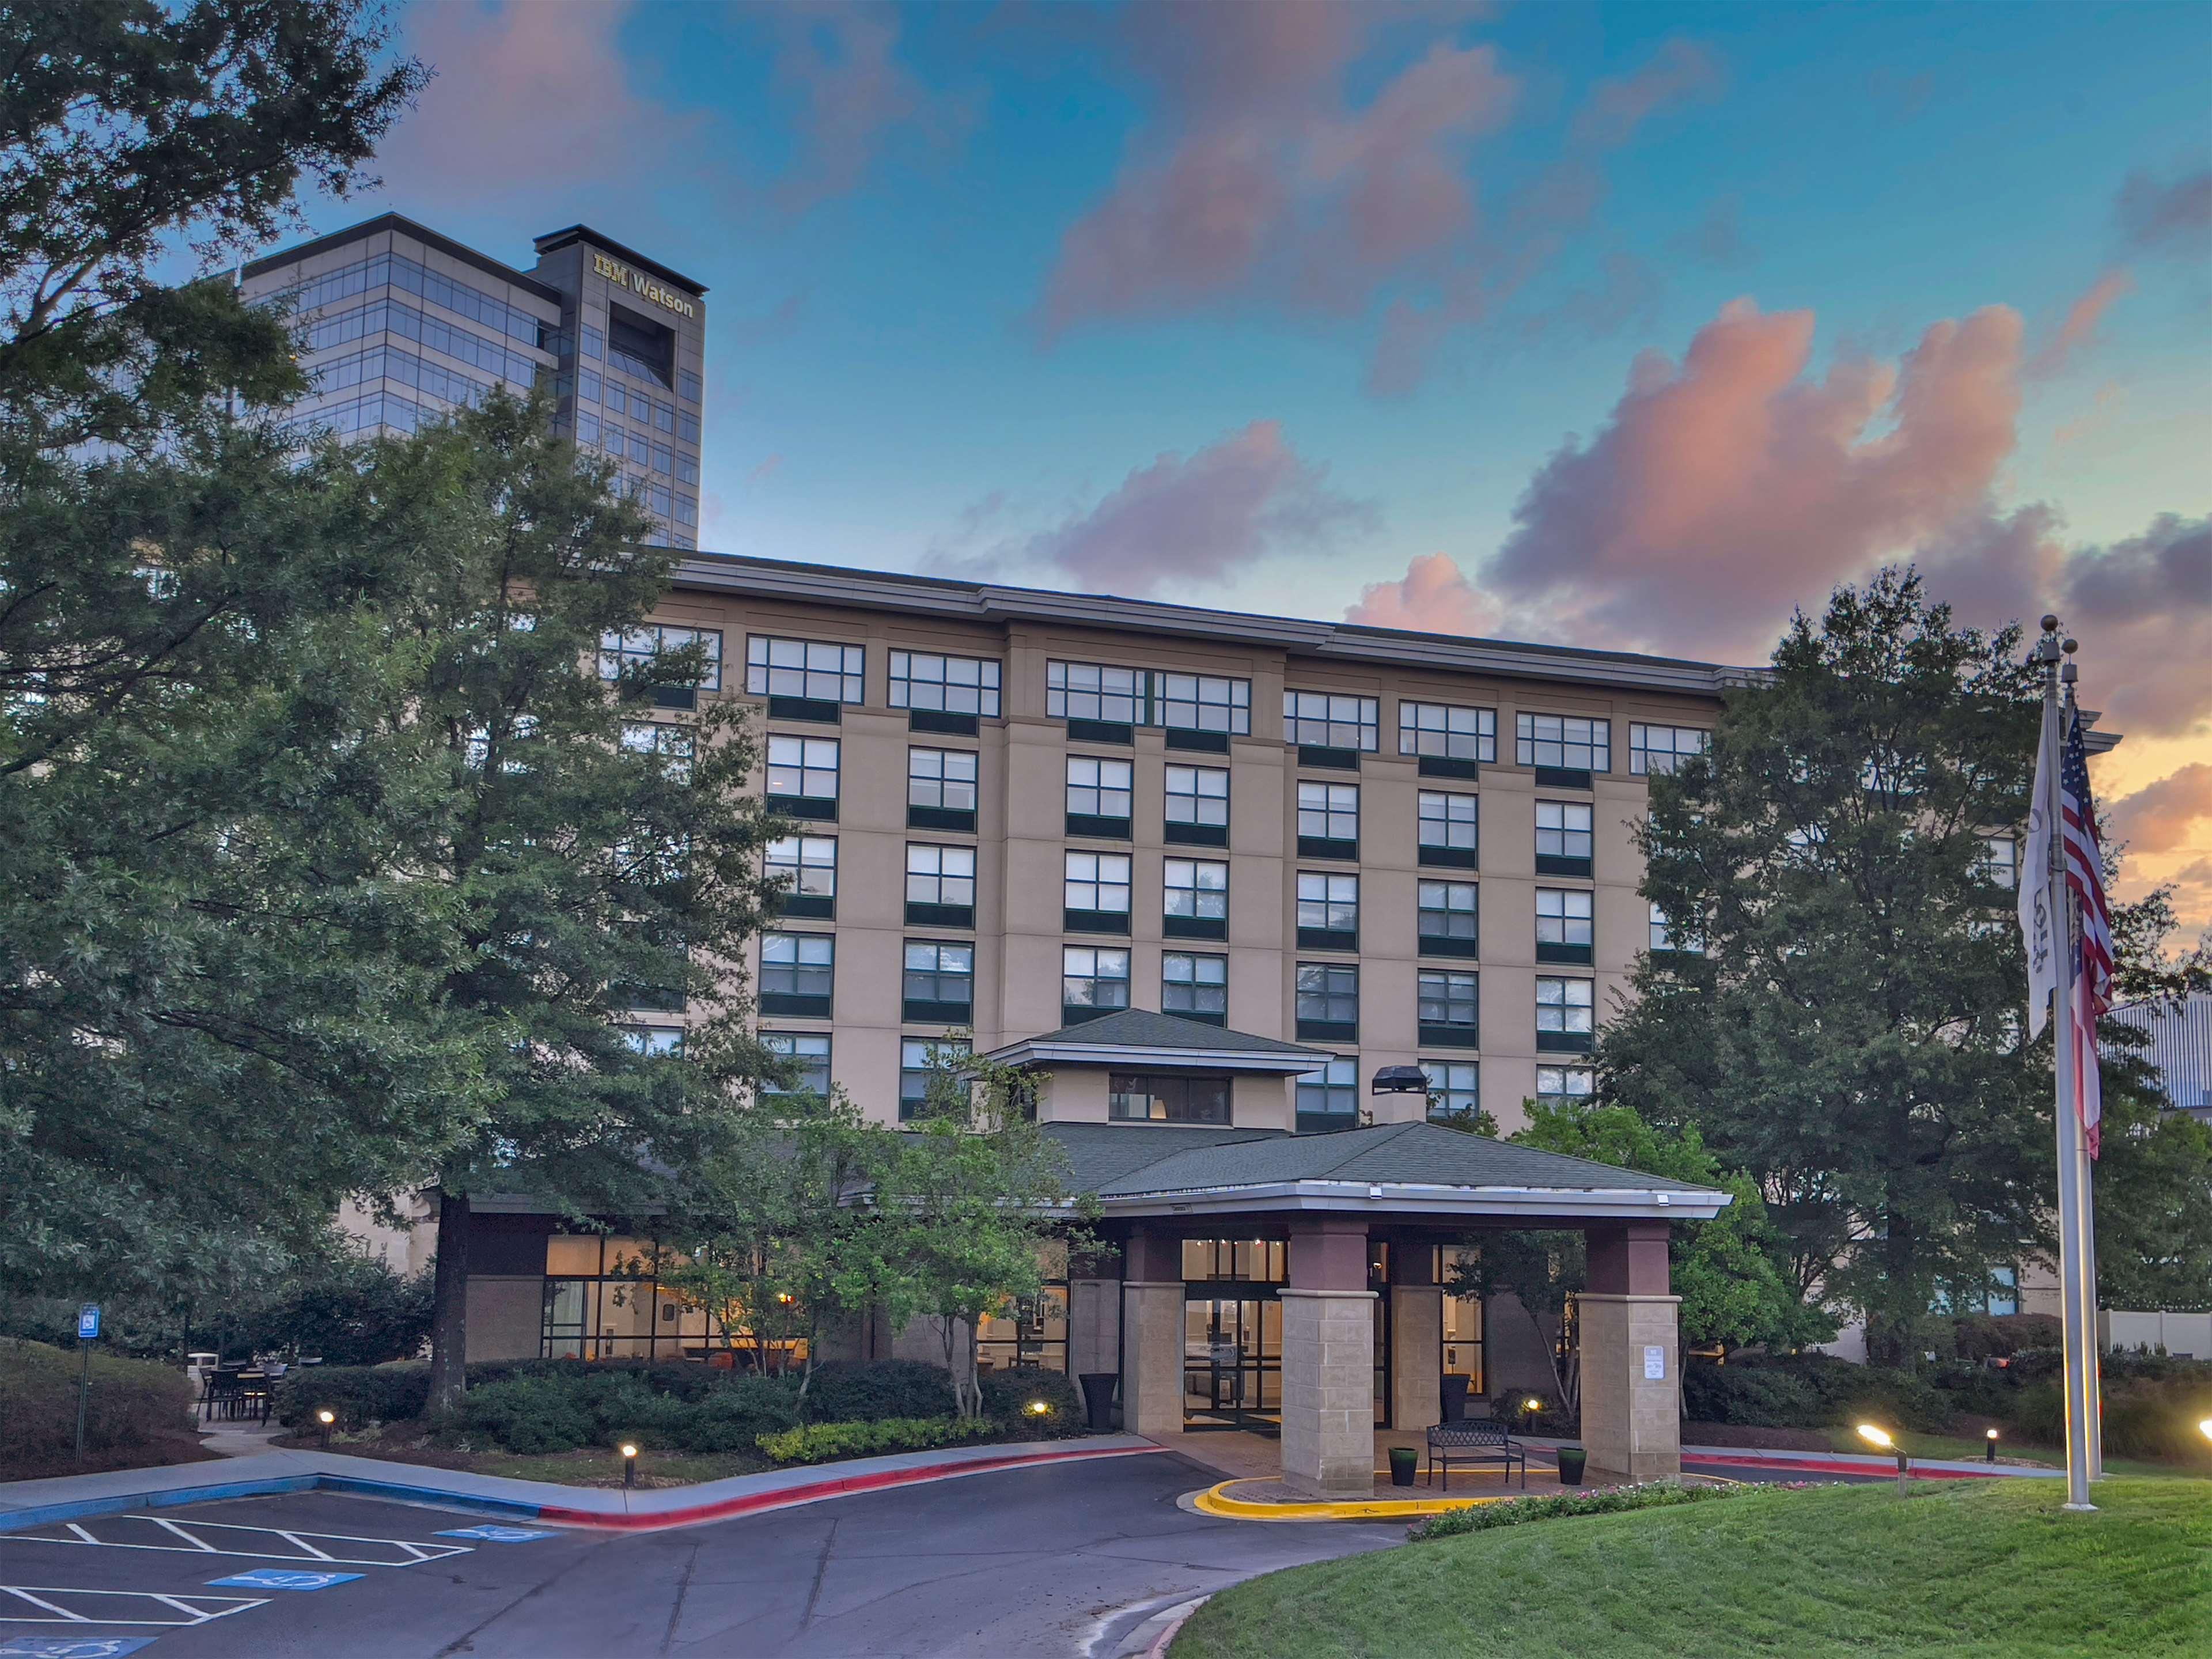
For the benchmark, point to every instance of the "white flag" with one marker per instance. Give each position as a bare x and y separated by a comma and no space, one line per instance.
2039,926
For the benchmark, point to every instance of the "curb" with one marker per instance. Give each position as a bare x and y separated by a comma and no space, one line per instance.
1217,1502
1181,1616
1933,1468
427,1490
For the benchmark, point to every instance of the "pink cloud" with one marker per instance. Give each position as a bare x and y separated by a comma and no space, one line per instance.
1679,72
2159,816
1433,596
1201,517
2171,217
2192,897
2081,319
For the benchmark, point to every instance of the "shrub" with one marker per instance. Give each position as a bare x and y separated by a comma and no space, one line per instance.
1986,1336
2149,1417
864,1390
1606,1500
735,1417
1811,1391
1755,1395
528,1414
359,1394
825,1443
130,1403
1008,1397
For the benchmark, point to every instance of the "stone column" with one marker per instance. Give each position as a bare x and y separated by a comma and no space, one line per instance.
1328,1362
1631,1355
1152,1335
1417,1336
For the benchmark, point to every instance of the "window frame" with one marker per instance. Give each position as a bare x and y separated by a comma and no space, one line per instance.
1072,1011
765,676
1415,730
987,688
1121,1087
1640,751
1325,1001
1339,1078
1471,1087
1338,713
1200,987
1595,743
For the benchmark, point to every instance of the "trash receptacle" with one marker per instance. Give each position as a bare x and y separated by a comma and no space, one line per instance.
1098,1399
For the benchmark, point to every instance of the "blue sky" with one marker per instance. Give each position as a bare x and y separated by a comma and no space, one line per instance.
1288,307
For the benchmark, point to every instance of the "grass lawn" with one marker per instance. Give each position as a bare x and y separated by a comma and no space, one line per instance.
1957,1569
1971,1450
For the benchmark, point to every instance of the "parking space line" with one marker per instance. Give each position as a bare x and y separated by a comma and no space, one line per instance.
35,1594
216,1538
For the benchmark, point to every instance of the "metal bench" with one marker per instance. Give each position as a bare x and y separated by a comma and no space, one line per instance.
1474,1442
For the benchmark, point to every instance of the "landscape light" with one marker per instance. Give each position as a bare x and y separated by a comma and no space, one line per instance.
2206,1425
1872,1436
326,1417
1875,1436
1038,1408
630,1464
1990,1455
1534,1404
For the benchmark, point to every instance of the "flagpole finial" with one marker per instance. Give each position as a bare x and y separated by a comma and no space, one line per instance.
2069,646
2050,622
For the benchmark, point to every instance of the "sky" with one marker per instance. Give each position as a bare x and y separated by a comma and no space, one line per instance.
1620,326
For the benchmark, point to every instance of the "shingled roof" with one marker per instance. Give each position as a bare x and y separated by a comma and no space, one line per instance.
1137,1035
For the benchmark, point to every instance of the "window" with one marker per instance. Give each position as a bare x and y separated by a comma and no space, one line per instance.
807,867
941,779
633,653
809,1055
1446,731
672,744
1097,883
1195,890
1667,937
950,685
1330,1098
1447,830
802,770
1097,789
1327,719
1203,702
1661,749
1195,987
1092,981
1564,1012
797,973
1091,691
1565,1082
1998,862
1563,838
1446,1009
1327,1000
813,669
687,385
939,982
654,1041
1565,743
1329,812
1167,1099
1563,917
687,426
1328,905
594,342
1454,1087
1198,795
663,459
922,1063
940,876
1445,917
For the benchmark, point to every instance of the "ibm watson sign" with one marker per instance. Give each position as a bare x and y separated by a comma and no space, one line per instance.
642,285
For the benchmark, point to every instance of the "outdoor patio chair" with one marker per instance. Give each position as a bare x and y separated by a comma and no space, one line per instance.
255,1391
220,1394
1474,1441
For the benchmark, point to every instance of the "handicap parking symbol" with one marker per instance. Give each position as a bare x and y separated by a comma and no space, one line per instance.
283,1578
491,1535
72,1647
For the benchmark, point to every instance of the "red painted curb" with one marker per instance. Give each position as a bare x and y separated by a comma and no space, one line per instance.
1814,1465
757,1503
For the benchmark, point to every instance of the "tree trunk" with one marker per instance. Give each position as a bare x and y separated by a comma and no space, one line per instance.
449,1305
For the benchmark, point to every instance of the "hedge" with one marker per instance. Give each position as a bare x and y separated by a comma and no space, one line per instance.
864,1390
825,1442
359,1394
1605,1500
1811,1391
130,1403
1009,1397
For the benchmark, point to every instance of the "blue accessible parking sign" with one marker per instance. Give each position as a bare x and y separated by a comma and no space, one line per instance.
87,1323
283,1578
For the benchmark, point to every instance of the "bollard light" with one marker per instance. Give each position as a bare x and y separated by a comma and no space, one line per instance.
1991,1456
1875,1436
326,1418
630,1464
2205,1427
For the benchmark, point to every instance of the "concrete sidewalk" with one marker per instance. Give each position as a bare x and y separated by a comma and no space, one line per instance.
68,1497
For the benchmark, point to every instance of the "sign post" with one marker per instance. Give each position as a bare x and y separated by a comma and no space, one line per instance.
88,1332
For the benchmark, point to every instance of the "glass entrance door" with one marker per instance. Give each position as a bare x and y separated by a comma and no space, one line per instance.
1232,1370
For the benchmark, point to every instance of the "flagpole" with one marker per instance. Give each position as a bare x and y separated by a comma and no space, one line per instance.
2085,1202
2069,1124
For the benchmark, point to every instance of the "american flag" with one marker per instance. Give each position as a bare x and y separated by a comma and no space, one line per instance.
2085,880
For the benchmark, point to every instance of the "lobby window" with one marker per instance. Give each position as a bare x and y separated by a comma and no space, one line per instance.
809,1055
1565,841
1439,731
797,973
802,776
1093,691
1329,719
1665,936
939,985
942,780
1327,1000
634,653
1447,1008
814,671
1092,982
940,882
1444,917
1330,1098
1195,898
1565,743
1195,987
1564,931
925,1063
806,866
1328,820
1455,1088
1564,1014
943,684
1198,805
1566,1082
1328,911
1138,1097
1096,892
1098,795
1449,828
674,745
1997,863
1203,702
1661,749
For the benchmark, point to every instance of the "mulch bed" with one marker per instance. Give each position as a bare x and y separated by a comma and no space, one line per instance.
153,1454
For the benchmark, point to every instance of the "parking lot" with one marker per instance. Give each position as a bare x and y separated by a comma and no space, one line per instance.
1045,1561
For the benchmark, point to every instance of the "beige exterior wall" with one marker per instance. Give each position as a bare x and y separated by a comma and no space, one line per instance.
1021,843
